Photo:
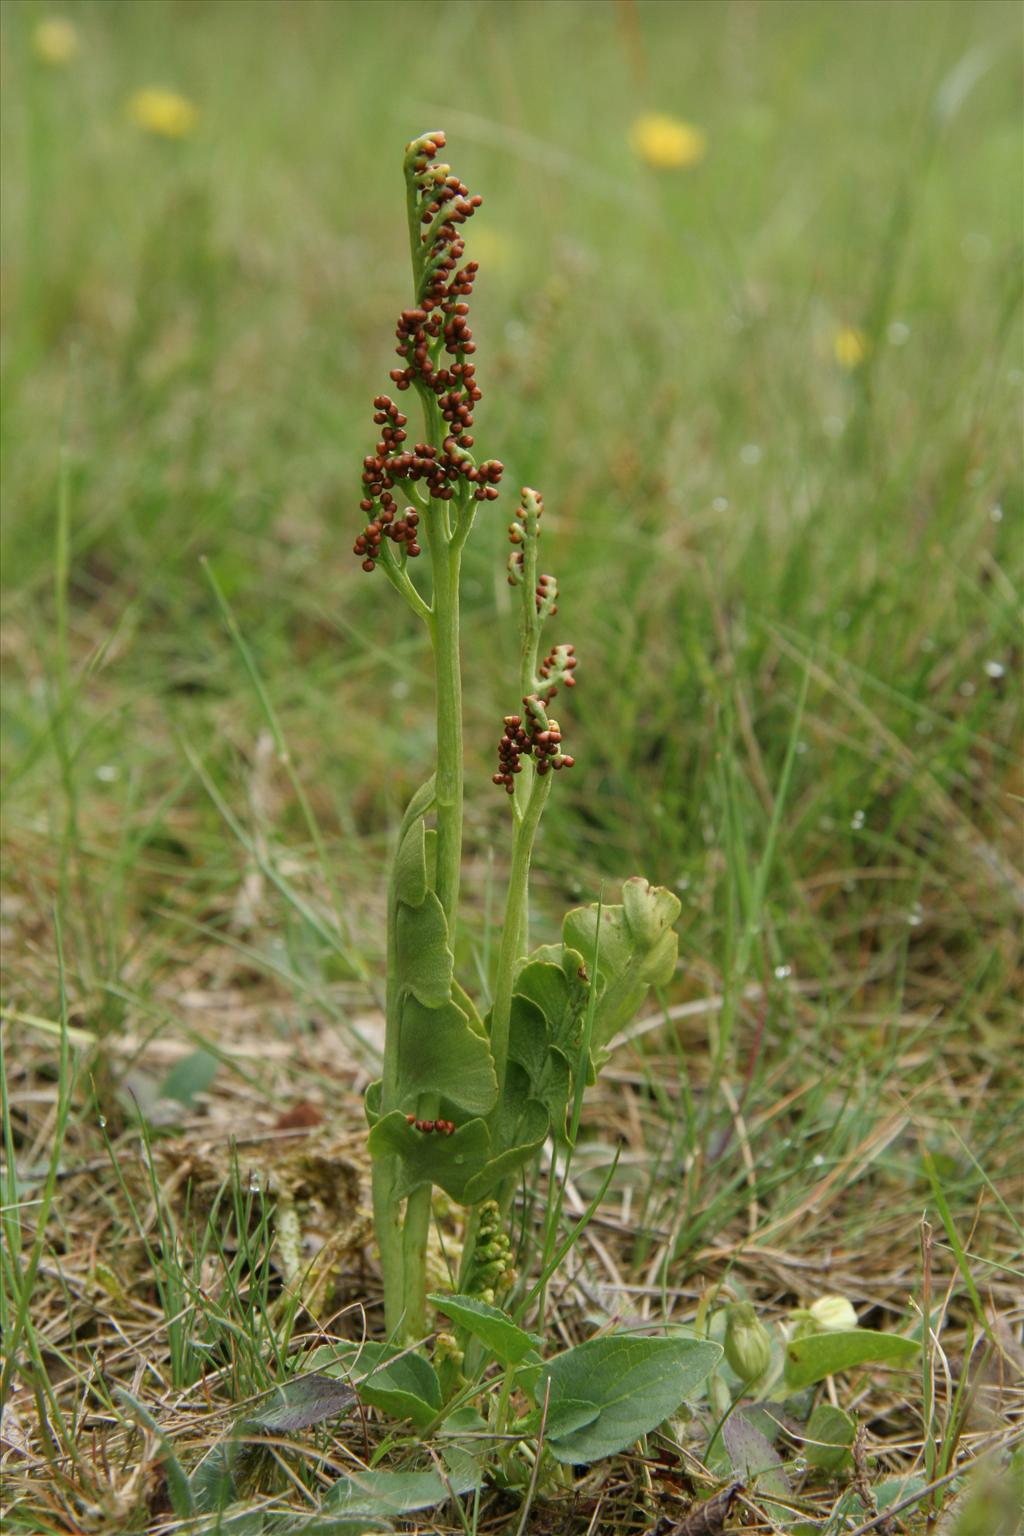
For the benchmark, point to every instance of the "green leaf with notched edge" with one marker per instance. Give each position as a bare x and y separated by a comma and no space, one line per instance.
409,874
426,1158
546,1068
634,1384
371,1101
819,1355
441,1053
424,960
560,992
638,950
507,1342
531,1130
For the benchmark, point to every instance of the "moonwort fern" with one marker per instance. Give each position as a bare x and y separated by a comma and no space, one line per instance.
465,1102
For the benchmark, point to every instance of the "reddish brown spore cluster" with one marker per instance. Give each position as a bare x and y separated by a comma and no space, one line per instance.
546,591
516,534
436,328
530,736
558,665
442,1127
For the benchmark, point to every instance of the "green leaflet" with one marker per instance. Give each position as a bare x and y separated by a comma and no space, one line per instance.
530,1131
638,950
463,1164
546,1069
560,992
442,1054
424,959
449,1161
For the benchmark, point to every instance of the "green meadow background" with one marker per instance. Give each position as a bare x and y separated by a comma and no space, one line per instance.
793,585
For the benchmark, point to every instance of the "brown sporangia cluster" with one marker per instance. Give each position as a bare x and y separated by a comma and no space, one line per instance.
557,669
434,343
533,735
546,590
443,1127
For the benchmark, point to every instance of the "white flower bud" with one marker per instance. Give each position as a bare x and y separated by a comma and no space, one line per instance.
833,1314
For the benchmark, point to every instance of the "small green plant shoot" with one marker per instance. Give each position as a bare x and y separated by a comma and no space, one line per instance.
469,1097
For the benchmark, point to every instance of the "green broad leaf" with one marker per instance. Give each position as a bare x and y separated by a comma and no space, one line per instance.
371,1101
409,873
638,950
448,1161
441,1053
528,1375
404,1386
402,1493
494,1328
562,1420
633,1383
424,961
189,1077
819,1355
828,1437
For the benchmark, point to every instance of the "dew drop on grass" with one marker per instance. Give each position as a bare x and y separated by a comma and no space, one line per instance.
782,971
102,1122
857,820
915,917
995,669
108,772
996,514
750,453
682,882
720,504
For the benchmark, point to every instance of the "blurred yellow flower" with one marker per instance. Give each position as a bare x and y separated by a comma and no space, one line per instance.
666,142
850,347
163,113
55,41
